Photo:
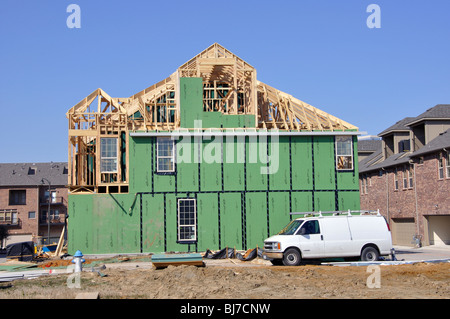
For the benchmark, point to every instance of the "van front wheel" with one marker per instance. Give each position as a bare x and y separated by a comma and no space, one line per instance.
291,257
370,254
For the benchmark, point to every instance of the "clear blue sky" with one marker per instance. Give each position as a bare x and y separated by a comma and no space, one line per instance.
320,51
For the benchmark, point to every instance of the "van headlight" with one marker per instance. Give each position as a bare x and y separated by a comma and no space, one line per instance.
272,245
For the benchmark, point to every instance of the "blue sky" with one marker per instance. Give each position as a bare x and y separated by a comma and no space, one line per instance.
320,51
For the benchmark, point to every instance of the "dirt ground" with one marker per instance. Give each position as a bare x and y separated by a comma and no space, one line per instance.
235,279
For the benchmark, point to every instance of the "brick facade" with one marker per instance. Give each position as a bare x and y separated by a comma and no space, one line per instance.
428,196
24,201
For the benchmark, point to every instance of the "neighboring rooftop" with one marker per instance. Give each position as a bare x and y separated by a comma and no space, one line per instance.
438,112
442,141
375,160
369,145
400,126
32,174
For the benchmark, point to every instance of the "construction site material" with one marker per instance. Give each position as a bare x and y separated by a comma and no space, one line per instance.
227,252
164,260
14,265
23,251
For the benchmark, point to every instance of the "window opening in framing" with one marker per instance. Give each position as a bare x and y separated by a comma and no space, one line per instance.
108,155
344,153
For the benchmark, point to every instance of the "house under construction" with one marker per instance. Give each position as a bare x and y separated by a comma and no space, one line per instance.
207,158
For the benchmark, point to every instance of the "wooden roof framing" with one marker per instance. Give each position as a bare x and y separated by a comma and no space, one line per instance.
271,107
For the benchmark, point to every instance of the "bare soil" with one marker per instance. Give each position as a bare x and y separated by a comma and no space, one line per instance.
231,279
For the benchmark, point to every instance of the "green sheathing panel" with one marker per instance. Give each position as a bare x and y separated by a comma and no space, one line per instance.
280,179
79,229
324,201
152,223
324,167
207,221
301,152
302,202
191,101
187,168
211,167
256,155
191,109
256,219
140,156
233,164
103,223
231,220
278,211
349,200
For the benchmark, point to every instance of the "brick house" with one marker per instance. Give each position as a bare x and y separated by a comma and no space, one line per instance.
25,198
408,178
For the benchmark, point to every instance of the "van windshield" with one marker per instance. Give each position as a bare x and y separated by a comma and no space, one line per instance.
291,228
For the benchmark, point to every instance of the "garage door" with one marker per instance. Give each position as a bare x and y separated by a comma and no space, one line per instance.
403,230
439,230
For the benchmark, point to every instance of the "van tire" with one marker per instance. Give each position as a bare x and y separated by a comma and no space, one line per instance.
370,254
292,257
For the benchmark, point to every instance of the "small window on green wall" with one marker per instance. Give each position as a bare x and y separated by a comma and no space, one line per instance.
344,153
187,220
165,155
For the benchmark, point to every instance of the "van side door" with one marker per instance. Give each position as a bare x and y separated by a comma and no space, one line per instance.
337,237
310,239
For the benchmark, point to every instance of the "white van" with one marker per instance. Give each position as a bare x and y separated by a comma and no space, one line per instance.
340,234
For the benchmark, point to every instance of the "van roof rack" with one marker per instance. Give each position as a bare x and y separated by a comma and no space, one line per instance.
338,213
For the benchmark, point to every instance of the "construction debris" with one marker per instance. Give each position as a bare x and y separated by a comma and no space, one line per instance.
165,260
227,252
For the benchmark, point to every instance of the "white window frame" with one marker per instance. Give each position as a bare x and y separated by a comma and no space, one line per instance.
396,179
191,222
160,156
105,156
447,164
440,167
411,176
405,177
343,156
9,216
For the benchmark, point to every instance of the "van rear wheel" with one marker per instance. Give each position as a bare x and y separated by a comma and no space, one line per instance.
292,257
370,254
